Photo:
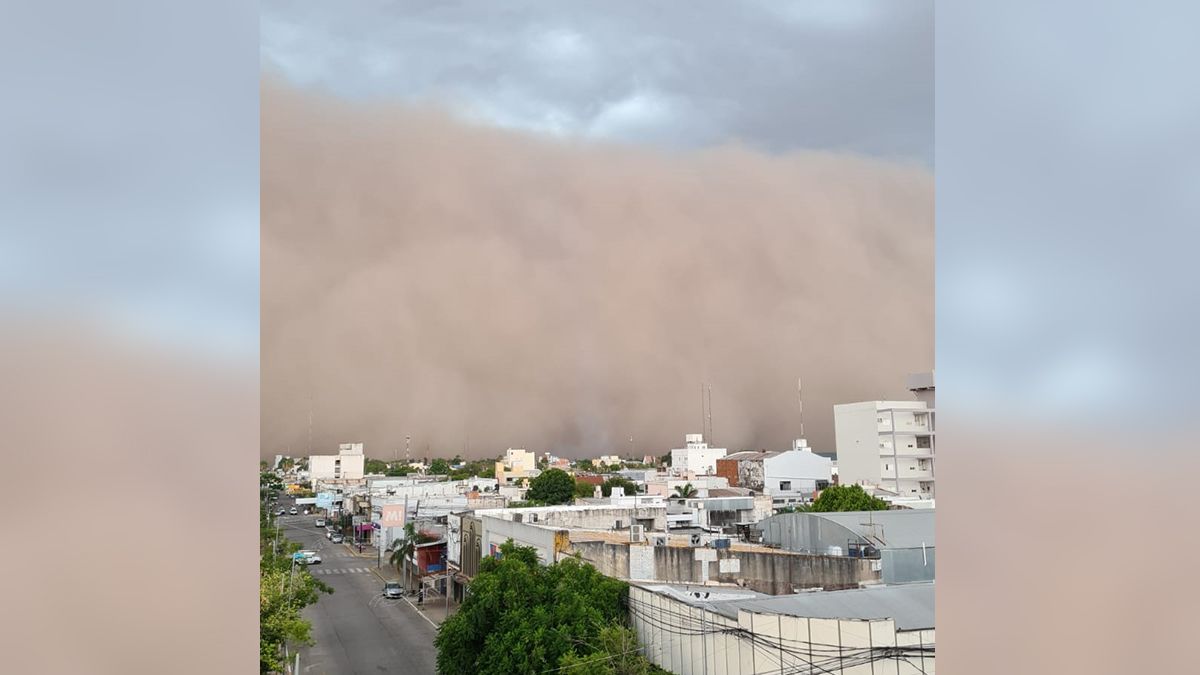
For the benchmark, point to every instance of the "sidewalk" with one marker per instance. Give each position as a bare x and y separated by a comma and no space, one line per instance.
434,609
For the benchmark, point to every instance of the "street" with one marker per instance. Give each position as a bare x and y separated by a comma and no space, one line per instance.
357,630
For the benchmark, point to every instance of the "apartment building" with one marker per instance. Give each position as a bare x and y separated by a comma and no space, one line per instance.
518,464
887,443
347,465
695,456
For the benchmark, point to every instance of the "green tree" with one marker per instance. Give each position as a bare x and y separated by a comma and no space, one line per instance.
583,489
619,481
523,617
553,486
585,465
439,467
285,588
375,466
402,550
685,491
847,498
617,653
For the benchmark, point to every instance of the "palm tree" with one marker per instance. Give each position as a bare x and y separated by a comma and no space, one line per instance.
402,550
685,491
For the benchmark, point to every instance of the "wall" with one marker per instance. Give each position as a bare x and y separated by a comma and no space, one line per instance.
904,565
498,530
802,468
728,469
472,545
776,573
857,433
690,640
751,474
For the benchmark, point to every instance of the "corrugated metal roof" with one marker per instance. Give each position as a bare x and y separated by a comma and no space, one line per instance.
909,605
752,454
901,528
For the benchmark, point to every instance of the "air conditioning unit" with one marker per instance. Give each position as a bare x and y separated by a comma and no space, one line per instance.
695,540
659,540
637,533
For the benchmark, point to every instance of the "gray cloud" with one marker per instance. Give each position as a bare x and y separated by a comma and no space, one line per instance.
847,76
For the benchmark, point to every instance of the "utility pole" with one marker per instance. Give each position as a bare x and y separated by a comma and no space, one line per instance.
800,395
408,449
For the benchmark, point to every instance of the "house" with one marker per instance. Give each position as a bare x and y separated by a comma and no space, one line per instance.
787,476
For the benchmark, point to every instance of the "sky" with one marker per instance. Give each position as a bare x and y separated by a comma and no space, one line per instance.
840,75
543,225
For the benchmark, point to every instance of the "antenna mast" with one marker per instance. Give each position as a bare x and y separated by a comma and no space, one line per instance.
710,431
800,394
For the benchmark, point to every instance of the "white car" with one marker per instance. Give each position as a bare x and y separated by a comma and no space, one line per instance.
308,558
294,511
320,522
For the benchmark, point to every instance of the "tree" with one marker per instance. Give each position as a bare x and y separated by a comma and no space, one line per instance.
284,589
402,550
617,654
685,491
619,481
375,466
847,498
585,465
523,617
583,489
439,467
553,486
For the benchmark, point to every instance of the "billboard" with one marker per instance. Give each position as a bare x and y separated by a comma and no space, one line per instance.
325,500
392,516
301,501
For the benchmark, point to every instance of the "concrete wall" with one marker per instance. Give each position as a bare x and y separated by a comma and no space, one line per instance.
496,531
776,573
856,429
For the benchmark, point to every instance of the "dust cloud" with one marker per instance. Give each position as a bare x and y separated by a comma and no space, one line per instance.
477,289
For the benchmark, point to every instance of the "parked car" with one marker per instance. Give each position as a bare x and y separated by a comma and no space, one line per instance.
329,532
320,522
392,589
294,511
337,538
307,557
281,512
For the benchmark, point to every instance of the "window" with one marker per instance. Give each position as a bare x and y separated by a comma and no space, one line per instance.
785,485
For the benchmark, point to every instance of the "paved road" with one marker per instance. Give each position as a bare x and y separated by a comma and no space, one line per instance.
357,630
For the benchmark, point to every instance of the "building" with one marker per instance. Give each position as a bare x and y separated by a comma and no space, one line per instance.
517,465
689,630
786,476
902,540
921,385
886,443
695,456
606,461
345,466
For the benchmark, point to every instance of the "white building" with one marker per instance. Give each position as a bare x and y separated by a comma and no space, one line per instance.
886,443
347,465
694,630
696,457
518,463
787,477
606,461
921,385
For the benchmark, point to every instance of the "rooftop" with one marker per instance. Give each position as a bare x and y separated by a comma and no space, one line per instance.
909,605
